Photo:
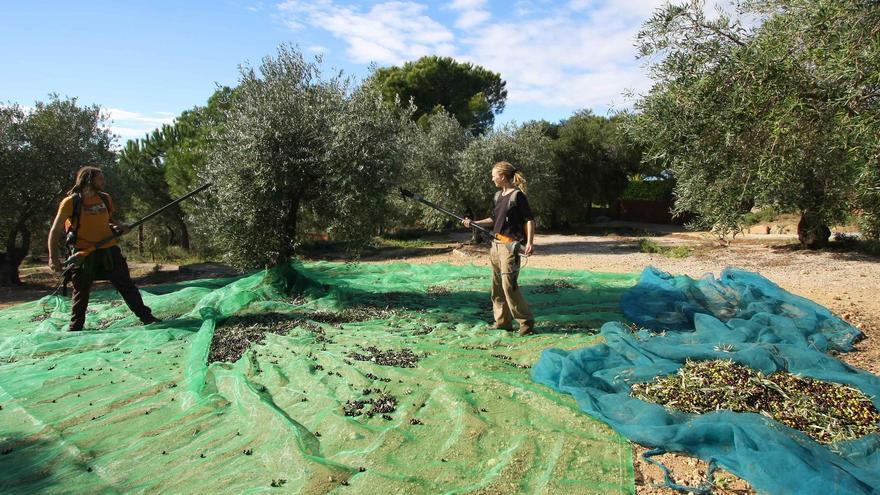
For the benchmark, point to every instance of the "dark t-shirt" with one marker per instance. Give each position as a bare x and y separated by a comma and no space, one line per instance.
511,221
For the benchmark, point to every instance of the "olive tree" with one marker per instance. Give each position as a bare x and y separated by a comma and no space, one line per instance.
294,145
782,112
529,150
40,151
432,168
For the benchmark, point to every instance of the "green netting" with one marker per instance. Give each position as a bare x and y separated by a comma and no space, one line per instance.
126,408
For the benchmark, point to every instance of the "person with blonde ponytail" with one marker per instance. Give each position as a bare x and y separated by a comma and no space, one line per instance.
87,212
512,218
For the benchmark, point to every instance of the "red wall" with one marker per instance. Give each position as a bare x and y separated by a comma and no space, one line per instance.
644,210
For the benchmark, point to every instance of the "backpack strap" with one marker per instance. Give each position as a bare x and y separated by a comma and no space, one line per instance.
106,199
76,212
72,225
511,201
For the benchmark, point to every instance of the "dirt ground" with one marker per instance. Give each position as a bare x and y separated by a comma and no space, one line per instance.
847,283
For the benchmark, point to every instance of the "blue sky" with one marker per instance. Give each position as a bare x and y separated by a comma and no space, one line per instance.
147,61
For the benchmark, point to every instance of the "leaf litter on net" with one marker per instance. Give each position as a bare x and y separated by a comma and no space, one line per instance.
404,358
827,412
553,287
233,336
382,404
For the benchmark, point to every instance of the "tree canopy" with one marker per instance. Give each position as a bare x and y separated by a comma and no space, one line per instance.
595,159
40,152
471,93
432,168
166,164
782,113
144,164
529,150
296,145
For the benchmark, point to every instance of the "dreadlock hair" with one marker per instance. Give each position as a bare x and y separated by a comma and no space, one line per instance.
510,172
85,177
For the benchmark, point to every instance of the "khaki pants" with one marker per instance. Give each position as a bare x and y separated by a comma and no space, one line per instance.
508,303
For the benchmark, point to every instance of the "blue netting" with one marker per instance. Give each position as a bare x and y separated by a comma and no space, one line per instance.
742,317
756,309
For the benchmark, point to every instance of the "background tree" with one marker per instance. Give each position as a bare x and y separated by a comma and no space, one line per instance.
12,146
185,160
768,115
143,162
166,164
40,152
295,145
528,149
432,168
471,93
595,158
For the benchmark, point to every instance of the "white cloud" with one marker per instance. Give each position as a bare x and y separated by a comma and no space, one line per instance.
127,133
563,55
578,5
134,125
152,121
471,13
583,57
387,33
472,18
467,4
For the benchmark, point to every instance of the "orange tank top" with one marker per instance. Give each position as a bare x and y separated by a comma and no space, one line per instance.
94,220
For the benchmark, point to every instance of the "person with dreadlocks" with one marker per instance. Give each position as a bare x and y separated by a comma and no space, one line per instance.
511,217
87,212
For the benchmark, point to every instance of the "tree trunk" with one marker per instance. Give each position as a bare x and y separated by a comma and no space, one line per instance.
15,254
140,239
184,231
589,209
476,236
184,236
288,232
813,233
172,236
8,272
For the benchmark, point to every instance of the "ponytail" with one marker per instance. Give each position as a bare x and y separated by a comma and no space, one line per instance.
519,180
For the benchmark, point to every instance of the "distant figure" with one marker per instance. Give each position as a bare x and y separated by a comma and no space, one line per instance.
511,217
86,213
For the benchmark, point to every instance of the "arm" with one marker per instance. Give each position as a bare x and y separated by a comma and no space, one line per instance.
530,237
486,222
116,228
55,234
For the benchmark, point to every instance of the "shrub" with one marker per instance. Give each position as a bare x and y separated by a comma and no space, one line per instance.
651,247
655,190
